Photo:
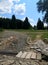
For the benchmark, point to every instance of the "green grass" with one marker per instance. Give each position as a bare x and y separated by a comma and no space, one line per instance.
1,29
45,35
32,33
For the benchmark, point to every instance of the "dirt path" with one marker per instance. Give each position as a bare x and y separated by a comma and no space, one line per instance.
13,45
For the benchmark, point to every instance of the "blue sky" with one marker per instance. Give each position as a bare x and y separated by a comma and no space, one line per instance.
21,9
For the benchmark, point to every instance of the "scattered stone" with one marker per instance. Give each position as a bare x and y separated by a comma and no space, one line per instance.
45,51
10,44
28,55
34,63
7,62
24,55
33,56
0,44
22,63
38,56
4,56
40,44
41,47
29,41
16,63
19,54
1,60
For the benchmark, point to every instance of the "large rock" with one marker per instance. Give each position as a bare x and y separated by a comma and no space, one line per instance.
41,47
45,51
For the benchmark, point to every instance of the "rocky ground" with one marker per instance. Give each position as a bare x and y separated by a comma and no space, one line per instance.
11,42
12,60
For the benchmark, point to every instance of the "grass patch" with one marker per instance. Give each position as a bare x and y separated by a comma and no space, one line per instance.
30,32
1,29
42,33
45,35
32,35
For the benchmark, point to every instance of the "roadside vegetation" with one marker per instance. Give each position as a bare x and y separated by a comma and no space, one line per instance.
34,34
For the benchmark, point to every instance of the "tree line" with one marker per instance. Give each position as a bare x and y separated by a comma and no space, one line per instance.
14,23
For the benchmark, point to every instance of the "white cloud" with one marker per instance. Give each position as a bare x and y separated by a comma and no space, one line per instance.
45,24
14,1
20,9
5,6
17,1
